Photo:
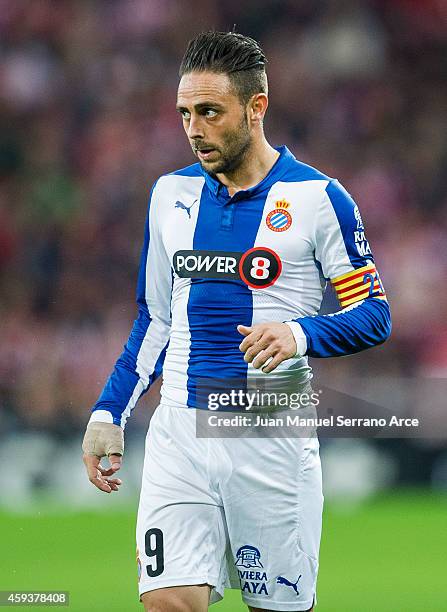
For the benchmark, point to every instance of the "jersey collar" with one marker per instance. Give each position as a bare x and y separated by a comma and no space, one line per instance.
279,168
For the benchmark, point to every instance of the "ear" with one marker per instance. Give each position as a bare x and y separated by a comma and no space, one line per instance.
257,107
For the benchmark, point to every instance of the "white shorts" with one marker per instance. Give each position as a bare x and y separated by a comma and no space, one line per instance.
229,512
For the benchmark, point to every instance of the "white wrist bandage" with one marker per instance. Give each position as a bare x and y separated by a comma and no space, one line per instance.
103,439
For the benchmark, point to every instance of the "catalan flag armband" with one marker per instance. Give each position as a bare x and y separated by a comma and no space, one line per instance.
358,285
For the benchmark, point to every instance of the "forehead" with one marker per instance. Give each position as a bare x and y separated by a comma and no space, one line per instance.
197,87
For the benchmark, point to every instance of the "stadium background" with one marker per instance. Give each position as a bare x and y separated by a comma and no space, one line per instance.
87,121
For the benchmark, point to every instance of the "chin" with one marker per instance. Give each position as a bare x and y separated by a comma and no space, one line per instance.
211,167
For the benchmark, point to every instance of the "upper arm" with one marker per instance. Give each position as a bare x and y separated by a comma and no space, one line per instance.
154,285
342,248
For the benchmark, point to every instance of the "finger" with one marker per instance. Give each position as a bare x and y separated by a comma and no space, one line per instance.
106,471
106,484
91,463
250,340
252,352
115,462
263,357
101,483
244,330
113,483
261,344
277,359
94,473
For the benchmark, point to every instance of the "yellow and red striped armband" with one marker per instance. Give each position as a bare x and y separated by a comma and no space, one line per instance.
358,285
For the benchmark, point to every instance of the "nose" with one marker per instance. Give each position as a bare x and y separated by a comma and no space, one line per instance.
195,128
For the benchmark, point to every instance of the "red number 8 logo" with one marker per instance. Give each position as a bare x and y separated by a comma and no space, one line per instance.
260,268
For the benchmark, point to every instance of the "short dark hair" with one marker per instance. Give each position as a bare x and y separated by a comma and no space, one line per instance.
231,53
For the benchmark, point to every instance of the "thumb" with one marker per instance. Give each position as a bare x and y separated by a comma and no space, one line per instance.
115,462
244,330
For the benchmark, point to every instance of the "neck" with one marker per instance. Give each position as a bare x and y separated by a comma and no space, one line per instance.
255,166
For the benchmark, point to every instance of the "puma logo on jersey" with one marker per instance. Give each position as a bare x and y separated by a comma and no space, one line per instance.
179,204
286,582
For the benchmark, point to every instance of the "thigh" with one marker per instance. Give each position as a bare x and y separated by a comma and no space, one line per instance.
251,609
273,506
181,534
178,599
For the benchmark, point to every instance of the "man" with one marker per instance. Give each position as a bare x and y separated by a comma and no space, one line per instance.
237,252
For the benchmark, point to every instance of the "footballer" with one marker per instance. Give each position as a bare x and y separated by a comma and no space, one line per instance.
238,249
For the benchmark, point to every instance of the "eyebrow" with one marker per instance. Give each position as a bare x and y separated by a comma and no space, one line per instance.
200,106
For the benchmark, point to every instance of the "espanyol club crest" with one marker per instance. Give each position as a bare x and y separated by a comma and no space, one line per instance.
252,577
248,556
279,219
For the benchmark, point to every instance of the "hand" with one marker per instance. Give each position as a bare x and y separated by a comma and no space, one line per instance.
267,341
103,439
98,475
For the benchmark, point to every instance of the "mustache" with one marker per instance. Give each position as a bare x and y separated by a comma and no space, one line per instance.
200,146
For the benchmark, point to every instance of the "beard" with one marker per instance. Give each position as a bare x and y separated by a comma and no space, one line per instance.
232,151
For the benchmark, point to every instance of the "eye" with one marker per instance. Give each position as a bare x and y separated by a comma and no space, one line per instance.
210,113
185,114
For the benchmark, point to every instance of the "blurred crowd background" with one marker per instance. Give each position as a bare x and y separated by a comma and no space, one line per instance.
88,122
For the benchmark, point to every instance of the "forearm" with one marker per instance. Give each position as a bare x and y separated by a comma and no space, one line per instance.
142,360
137,367
354,329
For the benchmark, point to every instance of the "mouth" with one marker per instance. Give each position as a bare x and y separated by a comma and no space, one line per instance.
205,152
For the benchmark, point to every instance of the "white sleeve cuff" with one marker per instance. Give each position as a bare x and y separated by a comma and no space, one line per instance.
101,416
300,337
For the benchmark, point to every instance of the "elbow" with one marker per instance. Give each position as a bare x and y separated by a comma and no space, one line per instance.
386,332
385,325
389,328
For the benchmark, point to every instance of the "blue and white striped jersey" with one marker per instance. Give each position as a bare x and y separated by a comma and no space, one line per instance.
211,262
